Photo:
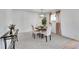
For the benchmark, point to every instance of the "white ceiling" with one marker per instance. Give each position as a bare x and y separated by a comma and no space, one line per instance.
37,10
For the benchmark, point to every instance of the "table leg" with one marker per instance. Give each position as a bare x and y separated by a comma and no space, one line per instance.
13,44
5,43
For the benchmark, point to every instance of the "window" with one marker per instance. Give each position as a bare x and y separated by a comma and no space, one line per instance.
53,17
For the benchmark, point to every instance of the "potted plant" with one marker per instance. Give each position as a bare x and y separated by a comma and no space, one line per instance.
11,27
44,21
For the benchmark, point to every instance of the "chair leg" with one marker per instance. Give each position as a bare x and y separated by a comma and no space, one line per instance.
13,44
50,37
41,36
46,38
33,35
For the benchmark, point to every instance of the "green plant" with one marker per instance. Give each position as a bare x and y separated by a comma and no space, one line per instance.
44,21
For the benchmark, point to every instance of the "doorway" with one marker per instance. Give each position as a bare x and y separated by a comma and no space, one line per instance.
56,23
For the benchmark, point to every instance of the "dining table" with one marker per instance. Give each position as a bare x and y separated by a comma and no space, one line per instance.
41,29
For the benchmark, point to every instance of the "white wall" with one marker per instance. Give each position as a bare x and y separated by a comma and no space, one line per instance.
9,16
3,20
70,23
24,20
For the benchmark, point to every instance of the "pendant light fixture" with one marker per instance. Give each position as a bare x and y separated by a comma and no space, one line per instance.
42,14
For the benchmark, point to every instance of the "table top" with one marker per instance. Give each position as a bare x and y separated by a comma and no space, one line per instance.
41,28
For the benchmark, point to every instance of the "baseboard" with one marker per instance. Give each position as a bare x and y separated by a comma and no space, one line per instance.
70,38
66,37
24,32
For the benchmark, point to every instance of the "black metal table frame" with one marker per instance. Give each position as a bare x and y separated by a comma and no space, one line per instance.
5,38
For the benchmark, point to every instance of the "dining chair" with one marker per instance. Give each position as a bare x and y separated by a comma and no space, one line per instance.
47,33
16,34
34,32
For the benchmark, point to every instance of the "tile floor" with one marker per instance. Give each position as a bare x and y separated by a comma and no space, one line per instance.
26,41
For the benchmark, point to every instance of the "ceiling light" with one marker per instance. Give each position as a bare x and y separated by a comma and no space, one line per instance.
42,14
